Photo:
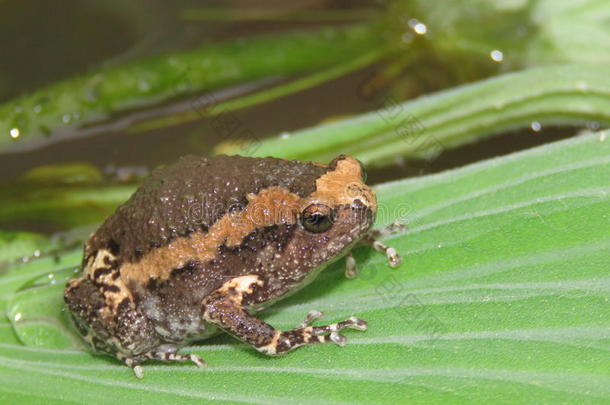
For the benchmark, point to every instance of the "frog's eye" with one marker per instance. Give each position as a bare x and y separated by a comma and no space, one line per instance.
317,218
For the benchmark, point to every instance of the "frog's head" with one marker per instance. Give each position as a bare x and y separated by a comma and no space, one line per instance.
341,200
339,212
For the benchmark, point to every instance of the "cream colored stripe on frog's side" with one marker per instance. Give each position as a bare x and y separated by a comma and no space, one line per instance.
269,207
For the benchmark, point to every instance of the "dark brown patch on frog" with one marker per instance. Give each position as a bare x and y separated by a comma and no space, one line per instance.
101,272
123,306
110,262
185,270
192,195
84,300
113,247
110,288
152,284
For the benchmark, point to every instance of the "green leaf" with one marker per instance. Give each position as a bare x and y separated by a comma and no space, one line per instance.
571,32
503,297
15,245
556,95
61,205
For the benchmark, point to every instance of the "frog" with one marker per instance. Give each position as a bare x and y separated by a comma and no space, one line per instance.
206,243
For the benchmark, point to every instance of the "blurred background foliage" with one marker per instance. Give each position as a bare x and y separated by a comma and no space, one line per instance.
130,96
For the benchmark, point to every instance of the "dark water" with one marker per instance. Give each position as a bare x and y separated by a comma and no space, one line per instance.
42,42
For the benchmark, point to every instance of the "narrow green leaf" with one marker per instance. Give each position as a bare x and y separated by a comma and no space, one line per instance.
63,207
558,95
570,32
16,245
503,297
68,105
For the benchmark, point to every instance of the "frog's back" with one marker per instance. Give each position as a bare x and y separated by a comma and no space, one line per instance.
192,195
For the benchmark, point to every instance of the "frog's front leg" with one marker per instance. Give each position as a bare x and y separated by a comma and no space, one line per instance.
394,259
225,308
371,239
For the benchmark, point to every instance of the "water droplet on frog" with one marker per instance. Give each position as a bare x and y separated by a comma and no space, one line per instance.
36,253
66,118
536,126
285,135
14,133
37,109
17,317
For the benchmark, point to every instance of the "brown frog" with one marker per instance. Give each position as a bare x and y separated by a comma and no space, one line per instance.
206,242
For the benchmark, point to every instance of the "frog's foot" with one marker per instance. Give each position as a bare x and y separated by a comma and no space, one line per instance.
329,333
394,259
351,267
285,341
225,308
166,353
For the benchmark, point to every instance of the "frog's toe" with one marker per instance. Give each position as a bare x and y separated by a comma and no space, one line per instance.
170,357
330,333
138,371
351,267
311,316
135,366
338,338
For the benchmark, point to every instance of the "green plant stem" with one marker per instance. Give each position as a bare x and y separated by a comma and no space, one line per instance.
263,95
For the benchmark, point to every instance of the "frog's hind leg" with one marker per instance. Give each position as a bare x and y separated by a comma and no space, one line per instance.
166,353
225,308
